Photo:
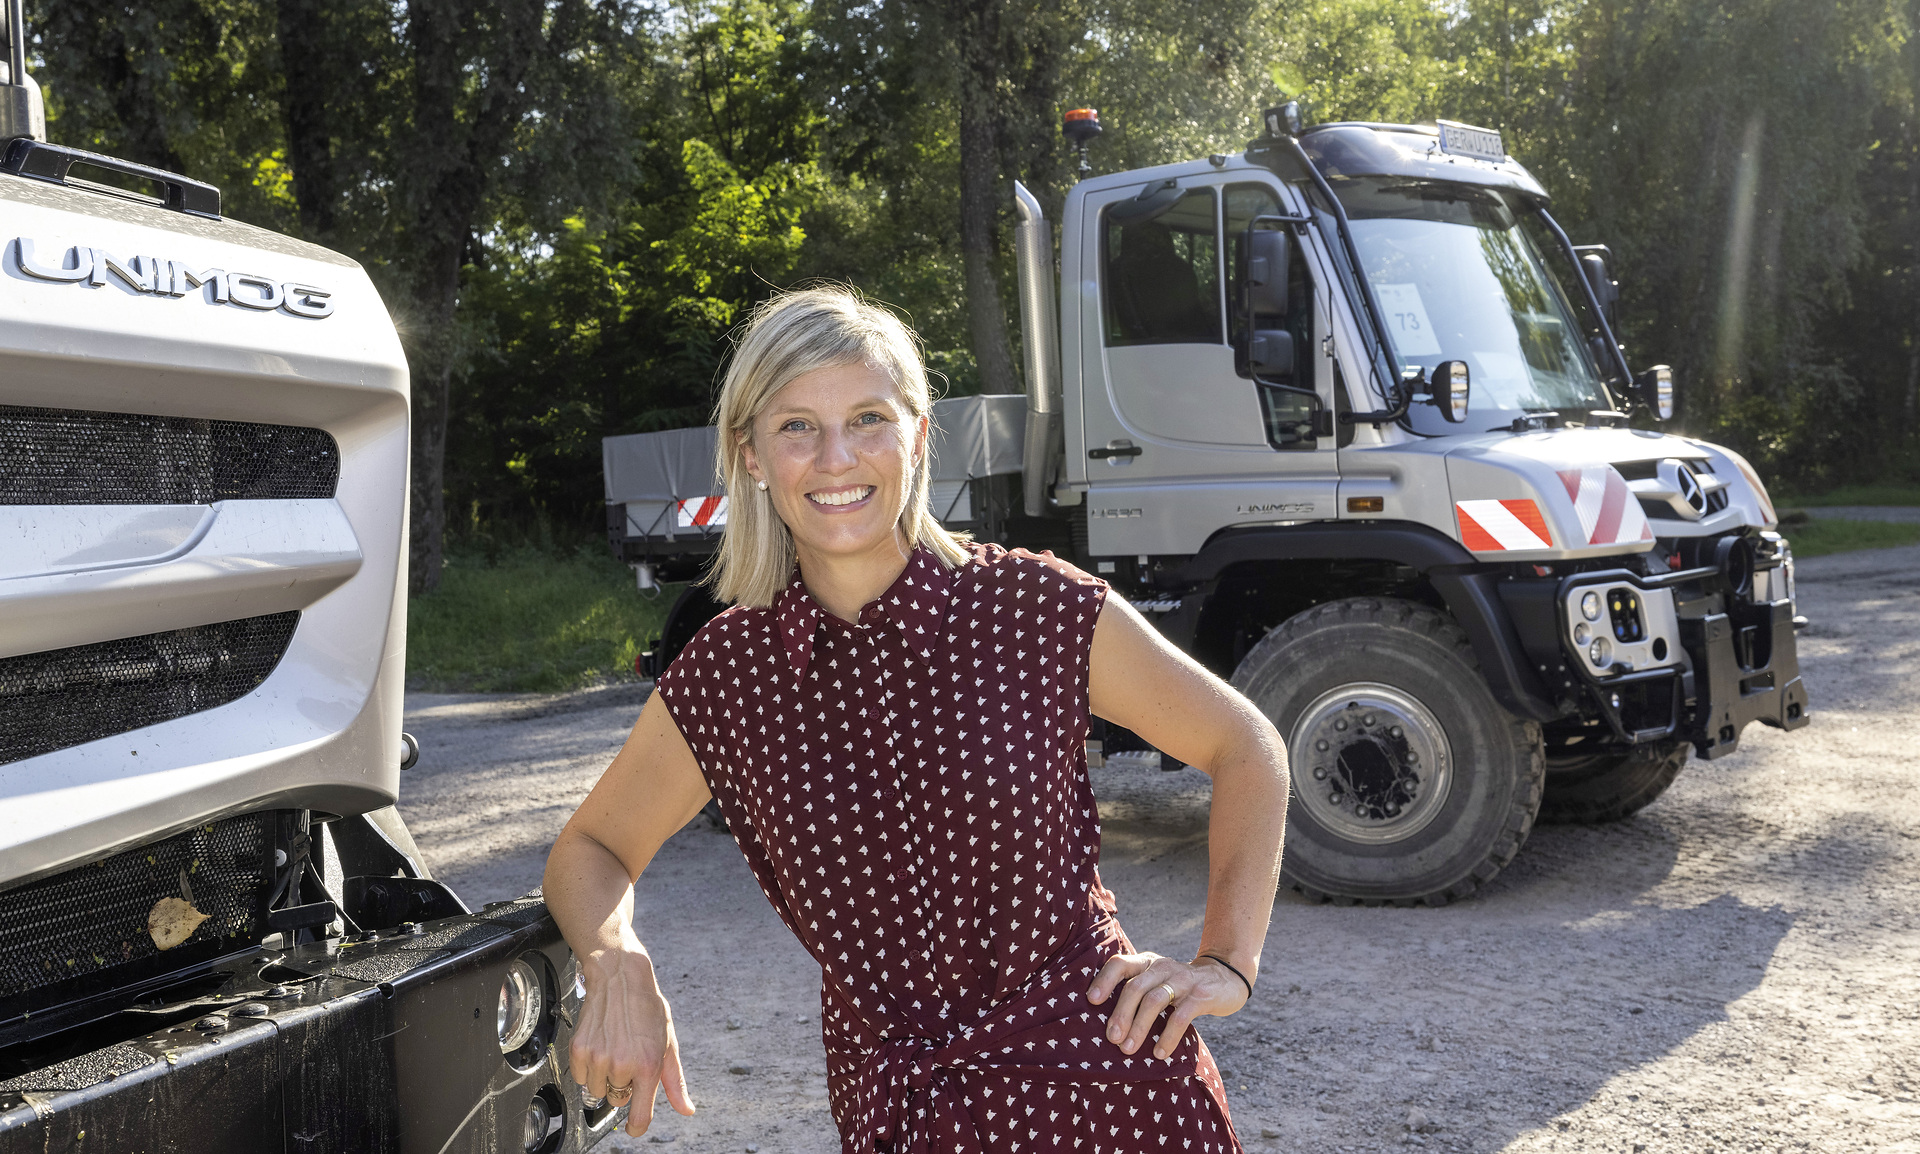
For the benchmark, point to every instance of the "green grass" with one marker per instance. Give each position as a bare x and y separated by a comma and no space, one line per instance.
534,621
1818,538
1853,495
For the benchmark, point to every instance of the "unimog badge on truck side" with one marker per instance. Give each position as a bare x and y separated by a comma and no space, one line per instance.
146,274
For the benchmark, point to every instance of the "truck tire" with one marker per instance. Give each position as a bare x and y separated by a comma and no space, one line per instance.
1607,786
1410,783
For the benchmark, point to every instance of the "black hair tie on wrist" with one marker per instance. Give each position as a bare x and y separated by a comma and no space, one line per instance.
1236,973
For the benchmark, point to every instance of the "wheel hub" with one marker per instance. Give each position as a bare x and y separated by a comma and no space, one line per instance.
1370,762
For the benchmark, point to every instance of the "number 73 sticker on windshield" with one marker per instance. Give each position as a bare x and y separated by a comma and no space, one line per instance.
1407,321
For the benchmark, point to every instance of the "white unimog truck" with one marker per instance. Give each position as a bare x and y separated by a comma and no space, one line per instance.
1345,415
215,931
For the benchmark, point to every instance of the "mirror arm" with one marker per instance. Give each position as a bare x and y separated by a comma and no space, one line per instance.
1368,303
1593,302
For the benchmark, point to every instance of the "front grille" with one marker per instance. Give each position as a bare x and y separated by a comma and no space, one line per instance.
64,697
72,457
85,930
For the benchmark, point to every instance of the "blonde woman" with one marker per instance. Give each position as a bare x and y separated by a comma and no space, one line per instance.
893,721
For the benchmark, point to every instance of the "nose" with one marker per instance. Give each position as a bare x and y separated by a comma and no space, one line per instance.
836,453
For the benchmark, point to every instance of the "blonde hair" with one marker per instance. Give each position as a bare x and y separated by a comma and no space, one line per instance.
787,337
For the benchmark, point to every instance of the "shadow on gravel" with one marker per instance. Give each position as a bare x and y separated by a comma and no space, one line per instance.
1491,1016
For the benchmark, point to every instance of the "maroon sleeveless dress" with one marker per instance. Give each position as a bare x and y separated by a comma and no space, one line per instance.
911,793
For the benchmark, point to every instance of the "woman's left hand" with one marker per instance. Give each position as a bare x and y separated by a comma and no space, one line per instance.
1148,983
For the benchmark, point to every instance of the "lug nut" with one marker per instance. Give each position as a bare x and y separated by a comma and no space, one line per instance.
1396,731
1366,719
1333,799
1341,724
1322,745
1319,773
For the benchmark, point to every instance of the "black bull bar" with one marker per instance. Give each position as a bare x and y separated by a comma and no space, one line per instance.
381,1042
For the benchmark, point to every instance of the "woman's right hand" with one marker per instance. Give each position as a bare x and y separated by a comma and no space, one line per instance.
624,1046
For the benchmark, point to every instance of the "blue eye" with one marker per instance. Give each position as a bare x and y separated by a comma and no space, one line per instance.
794,426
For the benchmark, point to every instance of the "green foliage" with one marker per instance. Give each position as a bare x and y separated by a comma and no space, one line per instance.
1850,495
531,620
1755,168
1819,538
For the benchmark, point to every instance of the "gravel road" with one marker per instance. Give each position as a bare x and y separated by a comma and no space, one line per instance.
1737,967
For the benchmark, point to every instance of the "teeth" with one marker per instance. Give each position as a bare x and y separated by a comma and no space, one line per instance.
846,498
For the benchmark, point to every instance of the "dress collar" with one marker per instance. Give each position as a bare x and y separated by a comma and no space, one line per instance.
916,604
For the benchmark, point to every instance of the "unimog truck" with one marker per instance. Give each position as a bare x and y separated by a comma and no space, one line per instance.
1345,415
215,931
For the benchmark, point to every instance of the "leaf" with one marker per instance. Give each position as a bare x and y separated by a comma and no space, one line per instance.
172,921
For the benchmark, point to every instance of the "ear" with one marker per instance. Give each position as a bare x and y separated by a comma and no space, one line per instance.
923,427
748,457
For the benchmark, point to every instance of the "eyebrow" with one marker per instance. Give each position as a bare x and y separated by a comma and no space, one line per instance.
877,401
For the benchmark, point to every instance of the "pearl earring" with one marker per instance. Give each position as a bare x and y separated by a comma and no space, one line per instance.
763,486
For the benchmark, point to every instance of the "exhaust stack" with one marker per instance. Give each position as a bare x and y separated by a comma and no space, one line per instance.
22,112
1040,338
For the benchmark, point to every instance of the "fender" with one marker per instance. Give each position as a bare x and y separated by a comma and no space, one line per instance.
1466,586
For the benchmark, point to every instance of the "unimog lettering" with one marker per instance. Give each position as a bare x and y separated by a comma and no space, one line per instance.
146,274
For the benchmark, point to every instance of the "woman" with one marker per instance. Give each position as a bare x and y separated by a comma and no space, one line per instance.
893,722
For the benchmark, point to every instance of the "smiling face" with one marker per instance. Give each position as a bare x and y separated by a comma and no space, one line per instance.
836,448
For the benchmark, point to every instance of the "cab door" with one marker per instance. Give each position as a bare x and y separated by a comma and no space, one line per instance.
1179,440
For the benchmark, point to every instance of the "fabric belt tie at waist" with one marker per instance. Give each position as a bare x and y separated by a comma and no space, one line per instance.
900,1083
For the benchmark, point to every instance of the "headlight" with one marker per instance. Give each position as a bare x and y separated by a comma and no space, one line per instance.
1582,634
1786,568
1590,606
1599,652
521,1002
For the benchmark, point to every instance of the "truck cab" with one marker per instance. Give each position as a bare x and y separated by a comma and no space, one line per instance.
215,928
1350,398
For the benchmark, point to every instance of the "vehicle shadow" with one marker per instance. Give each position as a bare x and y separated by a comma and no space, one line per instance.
1491,1017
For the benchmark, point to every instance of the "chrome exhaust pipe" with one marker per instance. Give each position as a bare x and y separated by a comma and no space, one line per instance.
1040,338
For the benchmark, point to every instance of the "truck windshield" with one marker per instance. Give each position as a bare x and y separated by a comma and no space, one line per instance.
1458,279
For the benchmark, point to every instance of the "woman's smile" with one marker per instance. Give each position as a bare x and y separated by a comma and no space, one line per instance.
842,497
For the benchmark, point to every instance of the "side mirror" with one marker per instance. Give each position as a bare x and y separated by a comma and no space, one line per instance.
1656,389
1606,290
1270,354
1265,275
1449,386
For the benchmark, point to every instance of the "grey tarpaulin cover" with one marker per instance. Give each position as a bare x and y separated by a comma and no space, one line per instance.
649,472
656,468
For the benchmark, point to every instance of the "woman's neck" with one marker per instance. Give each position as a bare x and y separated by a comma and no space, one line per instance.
844,584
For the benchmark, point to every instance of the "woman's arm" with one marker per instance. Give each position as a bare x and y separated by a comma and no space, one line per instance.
625,1037
1139,680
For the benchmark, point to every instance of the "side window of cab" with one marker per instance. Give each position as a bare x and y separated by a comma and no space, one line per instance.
1163,274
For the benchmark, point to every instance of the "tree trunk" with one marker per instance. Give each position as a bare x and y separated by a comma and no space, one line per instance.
454,164
978,28
310,80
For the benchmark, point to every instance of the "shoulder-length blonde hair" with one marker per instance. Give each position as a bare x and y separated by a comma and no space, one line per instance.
787,337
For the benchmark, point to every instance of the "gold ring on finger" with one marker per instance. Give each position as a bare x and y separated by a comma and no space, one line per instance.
1168,987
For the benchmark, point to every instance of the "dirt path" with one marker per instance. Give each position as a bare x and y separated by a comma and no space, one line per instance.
1735,968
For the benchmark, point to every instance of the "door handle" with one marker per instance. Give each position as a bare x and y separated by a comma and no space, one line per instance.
1115,449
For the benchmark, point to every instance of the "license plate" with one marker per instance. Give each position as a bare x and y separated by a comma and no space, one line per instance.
1466,140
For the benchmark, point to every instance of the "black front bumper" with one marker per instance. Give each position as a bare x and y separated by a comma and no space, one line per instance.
1741,662
387,1043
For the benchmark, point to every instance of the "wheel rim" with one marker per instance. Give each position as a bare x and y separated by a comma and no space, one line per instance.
1370,762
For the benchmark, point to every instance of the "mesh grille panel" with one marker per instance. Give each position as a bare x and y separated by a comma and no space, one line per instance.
65,697
69,457
80,924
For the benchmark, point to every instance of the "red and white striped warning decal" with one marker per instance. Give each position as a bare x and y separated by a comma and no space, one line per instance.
702,512
1609,512
1497,526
